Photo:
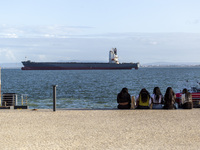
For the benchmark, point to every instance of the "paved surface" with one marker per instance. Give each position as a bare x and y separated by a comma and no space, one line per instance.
100,129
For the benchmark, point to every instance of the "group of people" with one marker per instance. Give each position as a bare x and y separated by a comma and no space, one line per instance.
155,101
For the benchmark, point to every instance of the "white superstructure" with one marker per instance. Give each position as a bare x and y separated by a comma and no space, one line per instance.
113,58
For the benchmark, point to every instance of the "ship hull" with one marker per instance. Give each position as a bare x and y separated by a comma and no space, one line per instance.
28,65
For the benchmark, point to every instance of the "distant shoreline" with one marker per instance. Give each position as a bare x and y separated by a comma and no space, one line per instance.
169,66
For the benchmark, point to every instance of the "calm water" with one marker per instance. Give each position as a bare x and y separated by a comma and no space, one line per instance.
92,89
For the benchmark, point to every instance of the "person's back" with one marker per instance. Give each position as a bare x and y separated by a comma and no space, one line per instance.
169,99
186,99
157,99
144,100
124,99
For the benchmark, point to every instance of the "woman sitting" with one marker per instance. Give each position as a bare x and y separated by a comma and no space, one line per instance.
124,99
169,99
144,100
157,99
186,100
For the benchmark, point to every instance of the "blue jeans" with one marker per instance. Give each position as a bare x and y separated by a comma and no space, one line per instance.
157,106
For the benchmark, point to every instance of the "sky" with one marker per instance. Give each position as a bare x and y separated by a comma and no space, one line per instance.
145,31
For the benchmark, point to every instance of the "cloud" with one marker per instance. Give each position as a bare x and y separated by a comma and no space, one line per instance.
9,35
42,57
132,47
153,43
53,31
10,31
7,55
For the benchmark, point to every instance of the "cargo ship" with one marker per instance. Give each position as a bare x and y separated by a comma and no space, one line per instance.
113,64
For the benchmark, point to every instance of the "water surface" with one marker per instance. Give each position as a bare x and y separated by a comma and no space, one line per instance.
92,89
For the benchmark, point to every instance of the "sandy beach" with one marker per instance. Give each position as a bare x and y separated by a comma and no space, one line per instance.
100,129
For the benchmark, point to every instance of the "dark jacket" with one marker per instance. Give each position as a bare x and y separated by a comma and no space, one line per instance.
124,98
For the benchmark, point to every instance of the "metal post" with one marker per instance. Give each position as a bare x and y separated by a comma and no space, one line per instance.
54,97
22,97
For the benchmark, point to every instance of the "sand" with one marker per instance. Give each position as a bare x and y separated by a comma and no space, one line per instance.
100,129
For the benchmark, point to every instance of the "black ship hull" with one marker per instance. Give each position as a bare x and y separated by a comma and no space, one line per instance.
28,65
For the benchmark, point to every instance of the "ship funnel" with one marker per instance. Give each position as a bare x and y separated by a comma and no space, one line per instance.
115,51
113,58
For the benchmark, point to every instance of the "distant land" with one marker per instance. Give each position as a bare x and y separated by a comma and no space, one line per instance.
170,64
145,65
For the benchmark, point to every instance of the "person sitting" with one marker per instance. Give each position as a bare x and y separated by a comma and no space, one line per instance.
157,99
124,99
169,99
143,101
186,99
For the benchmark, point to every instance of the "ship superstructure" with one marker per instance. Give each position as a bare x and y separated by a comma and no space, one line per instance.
113,58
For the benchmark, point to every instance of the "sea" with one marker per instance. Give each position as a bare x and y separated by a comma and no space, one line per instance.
91,89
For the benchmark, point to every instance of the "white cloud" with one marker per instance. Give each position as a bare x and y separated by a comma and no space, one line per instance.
132,47
49,35
54,31
7,55
9,35
153,43
42,57
7,31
